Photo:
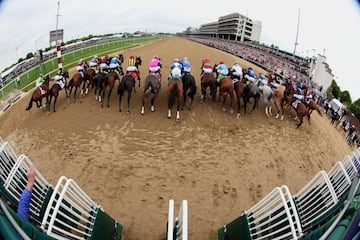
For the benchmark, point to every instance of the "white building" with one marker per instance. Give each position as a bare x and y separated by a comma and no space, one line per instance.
320,72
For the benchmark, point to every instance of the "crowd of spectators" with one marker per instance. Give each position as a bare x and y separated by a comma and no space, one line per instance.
273,60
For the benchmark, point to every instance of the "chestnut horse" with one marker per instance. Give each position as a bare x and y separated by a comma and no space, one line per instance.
208,80
279,97
175,92
37,96
54,91
299,108
189,88
152,87
75,81
126,84
226,87
109,81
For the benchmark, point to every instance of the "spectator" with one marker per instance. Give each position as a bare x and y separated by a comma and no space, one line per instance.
25,198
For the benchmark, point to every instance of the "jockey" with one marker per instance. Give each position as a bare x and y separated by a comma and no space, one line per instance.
104,67
309,96
40,83
222,71
262,79
131,69
236,72
174,72
114,64
250,75
94,63
185,66
154,66
60,79
206,67
80,67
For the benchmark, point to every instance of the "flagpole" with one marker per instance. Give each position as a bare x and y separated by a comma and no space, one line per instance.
297,33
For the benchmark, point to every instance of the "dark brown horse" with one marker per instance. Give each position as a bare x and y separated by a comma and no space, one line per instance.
152,87
108,82
54,91
189,88
37,96
239,90
126,84
88,80
226,87
175,92
208,80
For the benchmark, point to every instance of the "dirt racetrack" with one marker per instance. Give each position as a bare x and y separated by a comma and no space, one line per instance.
132,164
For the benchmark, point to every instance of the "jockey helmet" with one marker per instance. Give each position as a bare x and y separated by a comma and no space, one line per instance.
206,60
81,60
95,56
185,58
156,57
221,62
176,60
132,56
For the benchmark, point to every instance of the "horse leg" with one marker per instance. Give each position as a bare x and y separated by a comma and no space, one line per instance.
103,97
152,102
68,97
254,105
143,106
238,106
75,94
128,102
55,99
231,102
169,109
178,109
300,119
184,102
224,99
30,105
108,100
120,97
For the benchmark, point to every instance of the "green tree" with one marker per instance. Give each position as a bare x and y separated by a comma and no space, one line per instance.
29,55
345,97
333,90
355,108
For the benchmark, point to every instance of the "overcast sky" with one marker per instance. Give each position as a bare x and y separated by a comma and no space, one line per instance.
330,25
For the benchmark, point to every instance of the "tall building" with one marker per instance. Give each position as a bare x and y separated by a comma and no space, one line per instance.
233,26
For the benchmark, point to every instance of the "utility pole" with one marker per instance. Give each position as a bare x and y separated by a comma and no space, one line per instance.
297,33
57,15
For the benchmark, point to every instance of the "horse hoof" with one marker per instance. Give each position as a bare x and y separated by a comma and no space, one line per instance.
231,111
128,113
223,109
152,109
238,116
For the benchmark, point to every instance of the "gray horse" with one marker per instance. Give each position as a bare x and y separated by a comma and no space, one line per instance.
152,86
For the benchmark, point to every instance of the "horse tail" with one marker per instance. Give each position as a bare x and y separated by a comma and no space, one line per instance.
30,105
318,110
121,88
71,82
192,88
173,94
148,89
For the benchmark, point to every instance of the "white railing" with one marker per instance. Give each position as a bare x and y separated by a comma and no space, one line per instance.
70,213
315,199
8,159
274,217
350,167
179,230
16,183
340,179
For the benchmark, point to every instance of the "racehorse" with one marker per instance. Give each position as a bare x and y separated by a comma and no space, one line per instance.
54,91
126,84
98,83
226,87
313,106
152,86
88,79
239,91
299,108
138,62
251,91
279,97
208,80
109,81
188,81
175,92
75,81
37,96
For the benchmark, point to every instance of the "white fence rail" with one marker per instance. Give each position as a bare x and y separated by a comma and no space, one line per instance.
179,229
